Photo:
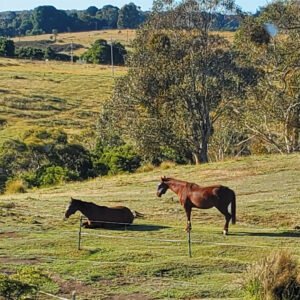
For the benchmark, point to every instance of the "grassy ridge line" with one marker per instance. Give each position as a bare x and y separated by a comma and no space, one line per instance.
83,38
125,36
267,211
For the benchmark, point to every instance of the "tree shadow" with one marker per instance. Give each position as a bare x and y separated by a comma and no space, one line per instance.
284,234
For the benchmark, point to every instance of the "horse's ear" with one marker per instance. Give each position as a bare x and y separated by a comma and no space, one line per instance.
72,198
163,178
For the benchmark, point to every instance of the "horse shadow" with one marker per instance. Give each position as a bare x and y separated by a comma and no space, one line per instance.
133,227
283,234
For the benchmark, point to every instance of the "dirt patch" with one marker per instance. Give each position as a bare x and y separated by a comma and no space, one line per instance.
135,296
11,234
66,287
18,261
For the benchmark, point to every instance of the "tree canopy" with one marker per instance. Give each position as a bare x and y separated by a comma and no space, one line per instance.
46,18
179,80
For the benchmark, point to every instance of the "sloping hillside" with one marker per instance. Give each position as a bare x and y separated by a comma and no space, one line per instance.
85,39
53,95
150,259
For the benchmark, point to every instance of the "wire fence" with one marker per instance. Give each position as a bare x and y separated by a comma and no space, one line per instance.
73,296
80,233
160,240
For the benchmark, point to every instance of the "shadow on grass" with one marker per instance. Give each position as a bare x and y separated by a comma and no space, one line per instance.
286,234
133,227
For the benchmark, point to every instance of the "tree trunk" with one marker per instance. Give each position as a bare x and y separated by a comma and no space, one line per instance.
204,150
201,140
295,131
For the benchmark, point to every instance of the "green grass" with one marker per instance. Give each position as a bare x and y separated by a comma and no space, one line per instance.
150,259
52,94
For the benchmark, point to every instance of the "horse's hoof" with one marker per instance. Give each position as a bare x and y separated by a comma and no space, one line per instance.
225,232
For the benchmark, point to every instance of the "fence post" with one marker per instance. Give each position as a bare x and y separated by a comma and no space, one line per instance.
190,243
79,233
74,295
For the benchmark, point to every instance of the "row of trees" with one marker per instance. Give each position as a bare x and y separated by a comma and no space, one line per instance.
8,49
45,19
99,52
192,96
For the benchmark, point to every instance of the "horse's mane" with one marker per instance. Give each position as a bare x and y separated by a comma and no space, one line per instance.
189,185
193,186
86,203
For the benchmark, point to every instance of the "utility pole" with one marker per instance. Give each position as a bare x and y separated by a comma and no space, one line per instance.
112,57
71,53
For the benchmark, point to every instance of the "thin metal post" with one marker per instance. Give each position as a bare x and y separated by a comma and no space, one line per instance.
79,234
71,54
190,243
112,57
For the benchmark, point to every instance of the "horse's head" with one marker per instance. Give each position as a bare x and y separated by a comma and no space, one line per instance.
162,187
71,208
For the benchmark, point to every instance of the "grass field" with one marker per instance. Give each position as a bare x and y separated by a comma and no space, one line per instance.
35,94
150,259
52,95
85,39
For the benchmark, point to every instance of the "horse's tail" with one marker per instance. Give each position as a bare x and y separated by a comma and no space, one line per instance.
233,208
136,214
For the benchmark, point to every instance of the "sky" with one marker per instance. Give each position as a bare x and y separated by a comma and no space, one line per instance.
15,5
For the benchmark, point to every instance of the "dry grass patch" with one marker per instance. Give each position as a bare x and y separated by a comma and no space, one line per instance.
275,277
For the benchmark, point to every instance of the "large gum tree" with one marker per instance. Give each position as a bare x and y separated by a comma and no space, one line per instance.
181,78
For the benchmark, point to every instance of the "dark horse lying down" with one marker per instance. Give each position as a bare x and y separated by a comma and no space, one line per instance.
192,195
101,216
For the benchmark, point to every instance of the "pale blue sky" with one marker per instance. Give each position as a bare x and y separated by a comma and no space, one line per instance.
14,5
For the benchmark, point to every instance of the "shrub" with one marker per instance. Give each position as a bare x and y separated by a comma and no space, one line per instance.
120,159
276,277
15,289
24,284
7,47
14,186
167,165
30,52
53,175
31,179
148,167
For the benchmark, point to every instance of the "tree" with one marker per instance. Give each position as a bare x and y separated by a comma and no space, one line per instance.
180,79
109,14
130,16
100,53
271,112
92,10
46,18
7,47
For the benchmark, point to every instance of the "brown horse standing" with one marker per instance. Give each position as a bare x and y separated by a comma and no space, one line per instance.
101,216
192,195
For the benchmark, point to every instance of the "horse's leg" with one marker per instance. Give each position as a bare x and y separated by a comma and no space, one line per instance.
188,211
88,224
85,224
225,212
